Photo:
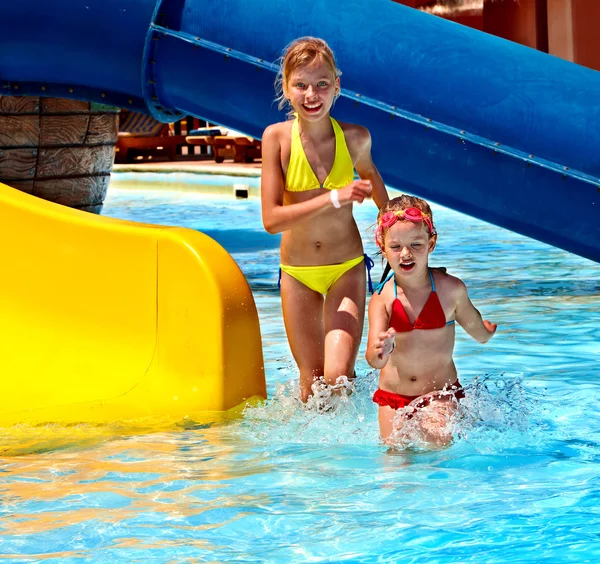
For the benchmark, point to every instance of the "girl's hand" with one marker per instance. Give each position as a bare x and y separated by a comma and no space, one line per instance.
385,343
356,191
491,327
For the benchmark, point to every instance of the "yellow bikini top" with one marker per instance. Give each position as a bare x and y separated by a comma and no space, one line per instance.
301,177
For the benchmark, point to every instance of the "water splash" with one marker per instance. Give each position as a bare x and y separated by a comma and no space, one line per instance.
342,414
497,413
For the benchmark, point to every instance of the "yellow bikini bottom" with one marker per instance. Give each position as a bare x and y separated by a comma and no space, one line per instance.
320,278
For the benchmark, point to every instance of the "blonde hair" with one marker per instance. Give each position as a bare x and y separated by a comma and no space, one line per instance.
302,51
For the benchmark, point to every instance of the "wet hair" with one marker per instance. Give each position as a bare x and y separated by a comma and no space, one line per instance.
399,204
302,51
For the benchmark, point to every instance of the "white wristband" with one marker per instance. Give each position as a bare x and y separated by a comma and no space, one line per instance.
333,194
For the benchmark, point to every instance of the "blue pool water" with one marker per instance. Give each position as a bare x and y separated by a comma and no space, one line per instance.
521,483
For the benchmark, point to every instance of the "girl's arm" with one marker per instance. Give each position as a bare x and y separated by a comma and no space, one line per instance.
380,344
277,217
367,170
469,318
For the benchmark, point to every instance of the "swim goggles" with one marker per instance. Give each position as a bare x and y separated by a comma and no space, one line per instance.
415,215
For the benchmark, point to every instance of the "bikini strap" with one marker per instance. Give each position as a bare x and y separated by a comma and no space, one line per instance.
369,264
380,287
433,290
432,282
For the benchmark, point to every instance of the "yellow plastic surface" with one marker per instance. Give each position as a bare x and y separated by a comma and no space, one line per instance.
104,320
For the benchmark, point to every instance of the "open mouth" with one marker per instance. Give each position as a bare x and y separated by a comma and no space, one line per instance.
407,266
312,108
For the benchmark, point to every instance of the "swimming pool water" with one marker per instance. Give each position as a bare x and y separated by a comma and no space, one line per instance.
286,484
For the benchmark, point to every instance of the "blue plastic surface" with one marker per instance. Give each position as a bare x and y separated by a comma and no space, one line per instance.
482,125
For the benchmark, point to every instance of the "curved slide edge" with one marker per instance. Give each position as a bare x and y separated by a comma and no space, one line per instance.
103,320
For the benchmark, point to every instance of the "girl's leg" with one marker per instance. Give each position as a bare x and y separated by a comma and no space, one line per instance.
344,319
303,319
386,421
433,420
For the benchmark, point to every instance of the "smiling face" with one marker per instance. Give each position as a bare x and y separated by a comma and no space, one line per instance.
407,246
311,90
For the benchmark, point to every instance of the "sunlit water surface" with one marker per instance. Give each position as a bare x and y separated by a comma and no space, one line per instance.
285,483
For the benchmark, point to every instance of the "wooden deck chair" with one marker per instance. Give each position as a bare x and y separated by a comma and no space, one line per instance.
234,145
204,136
143,135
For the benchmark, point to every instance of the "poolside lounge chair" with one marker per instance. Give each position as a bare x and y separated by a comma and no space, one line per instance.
142,135
227,144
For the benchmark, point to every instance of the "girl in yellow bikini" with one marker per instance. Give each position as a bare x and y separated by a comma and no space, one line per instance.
307,192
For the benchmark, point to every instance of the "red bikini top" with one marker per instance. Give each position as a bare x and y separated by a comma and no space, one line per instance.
432,315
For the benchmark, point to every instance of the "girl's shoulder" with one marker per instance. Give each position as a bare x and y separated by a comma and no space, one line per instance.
358,137
384,291
275,131
355,132
441,273
446,284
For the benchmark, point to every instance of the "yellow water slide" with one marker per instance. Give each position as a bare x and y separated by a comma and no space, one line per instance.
103,320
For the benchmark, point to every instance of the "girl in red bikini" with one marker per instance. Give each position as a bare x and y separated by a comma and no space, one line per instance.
412,324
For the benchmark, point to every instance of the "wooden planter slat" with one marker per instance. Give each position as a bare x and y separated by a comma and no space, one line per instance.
19,104
62,105
19,130
63,130
73,192
103,128
18,164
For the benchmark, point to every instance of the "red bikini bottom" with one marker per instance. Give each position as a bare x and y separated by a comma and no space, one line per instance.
397,401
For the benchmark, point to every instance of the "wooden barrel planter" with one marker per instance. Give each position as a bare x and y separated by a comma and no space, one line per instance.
58,149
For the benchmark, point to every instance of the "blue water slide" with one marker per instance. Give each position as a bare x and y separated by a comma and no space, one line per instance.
479,124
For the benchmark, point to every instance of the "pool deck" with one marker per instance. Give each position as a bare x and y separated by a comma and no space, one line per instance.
204,166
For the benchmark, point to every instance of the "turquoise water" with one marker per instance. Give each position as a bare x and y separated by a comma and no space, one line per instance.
521,483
